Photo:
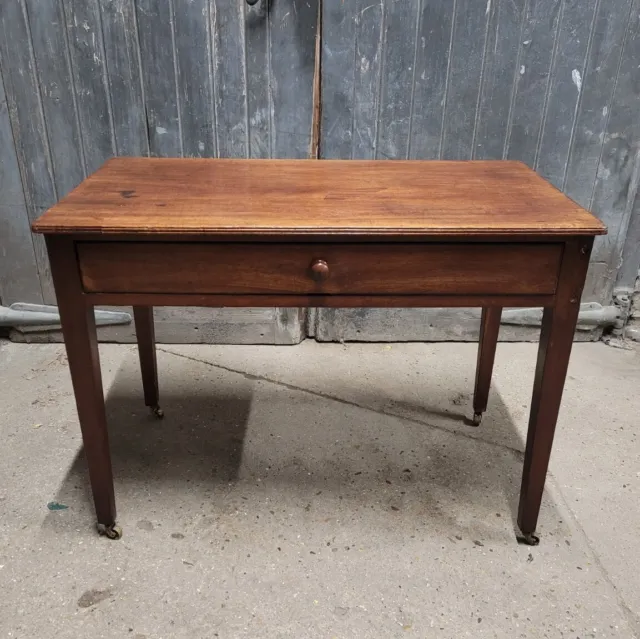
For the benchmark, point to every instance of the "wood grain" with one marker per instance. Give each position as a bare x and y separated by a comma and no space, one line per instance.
574,31
24,104
146,338
59,103
469,34
281,197
489,329
535,59
397,76
377,269
81,342
19,279
86,46
368,52
157,54
499,75
556,340
122,58
619,170
338,77
430,78
596,99
292,30
229,78
193,80
259,90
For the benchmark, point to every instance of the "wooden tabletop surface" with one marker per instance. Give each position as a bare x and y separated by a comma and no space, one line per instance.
323,198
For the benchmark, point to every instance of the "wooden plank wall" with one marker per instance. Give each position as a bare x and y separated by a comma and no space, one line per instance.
553,83
88,79
17,254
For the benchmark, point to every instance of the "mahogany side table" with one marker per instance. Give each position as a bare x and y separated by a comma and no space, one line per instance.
207,232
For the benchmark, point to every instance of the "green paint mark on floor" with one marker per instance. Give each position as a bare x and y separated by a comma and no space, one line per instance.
54,505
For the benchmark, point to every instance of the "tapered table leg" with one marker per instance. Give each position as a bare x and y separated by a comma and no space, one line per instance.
489,328
79,330
145,333
556,340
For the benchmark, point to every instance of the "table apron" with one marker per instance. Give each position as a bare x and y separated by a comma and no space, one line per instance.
312,274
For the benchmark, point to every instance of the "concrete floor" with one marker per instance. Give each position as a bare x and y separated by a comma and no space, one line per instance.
319,491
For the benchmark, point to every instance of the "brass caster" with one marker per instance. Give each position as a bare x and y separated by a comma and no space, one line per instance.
529,539
112,532
477,419
157,411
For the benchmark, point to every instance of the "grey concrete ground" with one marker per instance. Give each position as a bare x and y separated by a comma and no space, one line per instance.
319,491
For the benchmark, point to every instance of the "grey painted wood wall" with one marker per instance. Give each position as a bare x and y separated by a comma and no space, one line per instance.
554,83
82,80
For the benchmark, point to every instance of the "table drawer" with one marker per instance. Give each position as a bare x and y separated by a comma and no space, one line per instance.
308,268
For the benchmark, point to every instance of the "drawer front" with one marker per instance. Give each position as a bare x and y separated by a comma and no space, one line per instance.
333,269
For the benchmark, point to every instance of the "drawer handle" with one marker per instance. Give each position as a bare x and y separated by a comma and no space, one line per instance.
320,270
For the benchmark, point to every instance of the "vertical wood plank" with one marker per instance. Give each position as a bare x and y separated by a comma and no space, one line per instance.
565,87
396,89
432,64
195,90
25,107
351,62
603,60
259,103
155,30
122,57
292,49
465,75
84,27
630,259
51,54
19,280
227,30
368,60
10,180
339,63
618,176
500,69
28,124
532,78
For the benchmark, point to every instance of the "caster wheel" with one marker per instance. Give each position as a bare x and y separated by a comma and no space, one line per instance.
477,419
112,532
157,411
529,539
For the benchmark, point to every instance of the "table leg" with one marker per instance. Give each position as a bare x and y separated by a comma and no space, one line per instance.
81,342
145,333
556,339
489,328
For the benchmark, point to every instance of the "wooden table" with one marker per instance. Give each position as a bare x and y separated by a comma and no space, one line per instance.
151,232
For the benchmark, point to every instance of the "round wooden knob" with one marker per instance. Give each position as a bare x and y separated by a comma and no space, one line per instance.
319,270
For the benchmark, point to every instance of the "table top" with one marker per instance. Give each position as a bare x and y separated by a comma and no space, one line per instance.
222,197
